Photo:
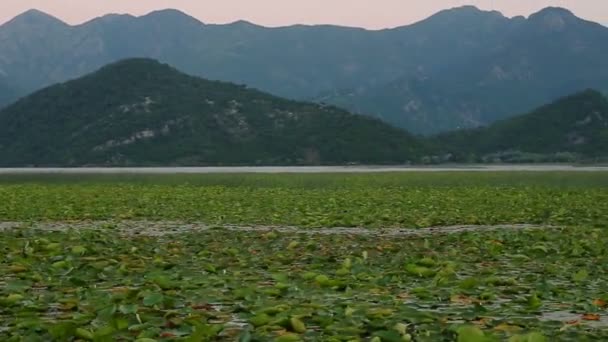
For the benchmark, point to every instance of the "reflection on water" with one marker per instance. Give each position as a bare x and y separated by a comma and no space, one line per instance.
572,318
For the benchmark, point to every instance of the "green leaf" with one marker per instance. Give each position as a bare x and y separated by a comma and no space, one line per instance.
204,332
323,280
245,336
103,332
534,302
388,336
79,250
163,281
120,323
84,334
297,325
107,313
62,331
128,308
469,333
401,328
420,271
531,337
288,338
260,320
17,285
153,299
580,276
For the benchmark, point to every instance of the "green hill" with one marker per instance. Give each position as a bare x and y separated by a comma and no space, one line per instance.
572,128
142,112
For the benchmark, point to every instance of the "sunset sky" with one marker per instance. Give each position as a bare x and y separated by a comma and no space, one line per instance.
364,13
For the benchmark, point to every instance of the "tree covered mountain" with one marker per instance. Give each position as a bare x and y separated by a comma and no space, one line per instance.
462,67
142,112
572,128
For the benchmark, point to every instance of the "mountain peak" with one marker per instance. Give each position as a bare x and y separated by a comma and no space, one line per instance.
464,14
114,17
553,18
140,68
243,23
34,14
561,11
467,10
34,17
166,17
171,14
589,93
135,63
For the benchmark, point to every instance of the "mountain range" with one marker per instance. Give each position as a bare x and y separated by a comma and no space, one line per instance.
526,63
460,68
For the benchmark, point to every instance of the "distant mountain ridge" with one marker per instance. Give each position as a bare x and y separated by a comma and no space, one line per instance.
549,55
459,68
141,112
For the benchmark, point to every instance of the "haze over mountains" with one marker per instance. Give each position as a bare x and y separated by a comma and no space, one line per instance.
459,68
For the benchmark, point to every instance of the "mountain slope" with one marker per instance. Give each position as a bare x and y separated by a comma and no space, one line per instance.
576,124
141,112
549,55
7,93
32,47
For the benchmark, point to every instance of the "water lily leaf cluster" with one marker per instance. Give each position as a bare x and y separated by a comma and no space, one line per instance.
371,201
220,285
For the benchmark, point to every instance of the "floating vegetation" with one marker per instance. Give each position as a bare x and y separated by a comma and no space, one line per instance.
370,201
227,285
518,257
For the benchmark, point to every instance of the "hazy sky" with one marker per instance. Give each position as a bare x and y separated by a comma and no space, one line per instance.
365,13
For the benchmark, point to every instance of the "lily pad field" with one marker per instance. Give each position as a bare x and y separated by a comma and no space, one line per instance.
459,256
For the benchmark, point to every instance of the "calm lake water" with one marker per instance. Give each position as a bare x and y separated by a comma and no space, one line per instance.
301,169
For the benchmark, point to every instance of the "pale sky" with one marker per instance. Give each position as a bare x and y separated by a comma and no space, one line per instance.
371,14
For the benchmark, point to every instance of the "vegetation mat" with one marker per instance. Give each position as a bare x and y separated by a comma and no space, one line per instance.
325,257
320,200
226,285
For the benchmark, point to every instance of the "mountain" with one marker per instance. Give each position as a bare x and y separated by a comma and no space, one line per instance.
297,61
7,92
30,45
462,67
549,55
572,128
142,112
